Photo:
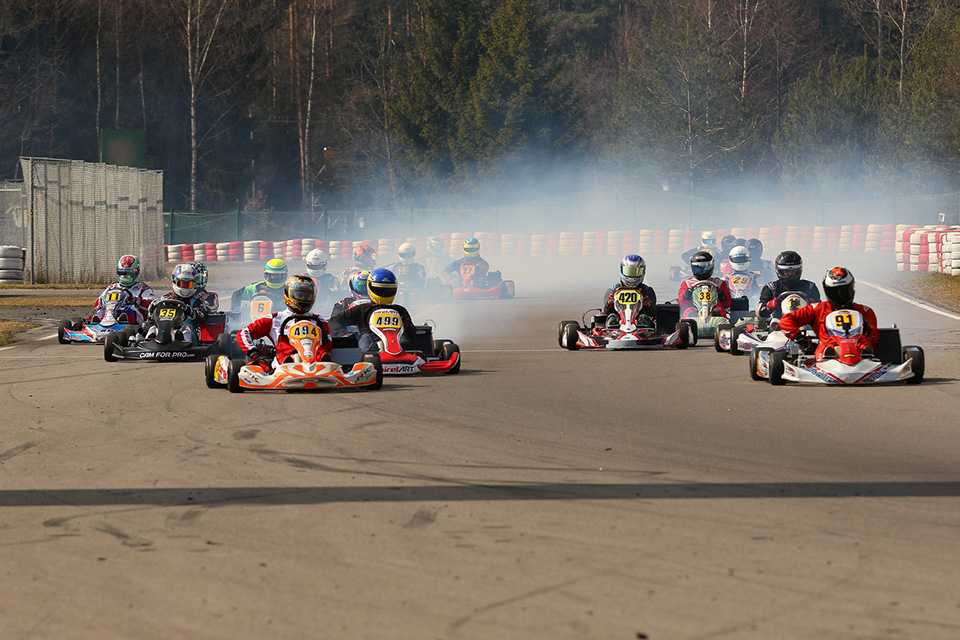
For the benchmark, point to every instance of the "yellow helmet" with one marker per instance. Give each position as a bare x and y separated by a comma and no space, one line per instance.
471,247
275,273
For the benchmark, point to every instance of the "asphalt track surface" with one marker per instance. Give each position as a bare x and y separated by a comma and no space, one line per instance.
539,494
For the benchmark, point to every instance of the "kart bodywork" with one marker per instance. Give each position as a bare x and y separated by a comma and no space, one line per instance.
117,303
167,345
469,288
628,327
426,355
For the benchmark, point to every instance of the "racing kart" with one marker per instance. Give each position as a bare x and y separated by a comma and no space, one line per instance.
246,311
168,344
757,331
433,290
346,366
706,313
116,304
425,355
849,361
470,286
628,327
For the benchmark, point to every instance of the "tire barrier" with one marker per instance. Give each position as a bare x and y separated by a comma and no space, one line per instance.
11,264
929,249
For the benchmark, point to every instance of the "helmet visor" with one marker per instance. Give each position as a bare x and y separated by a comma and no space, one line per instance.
631,271
789,272
185,284
275,277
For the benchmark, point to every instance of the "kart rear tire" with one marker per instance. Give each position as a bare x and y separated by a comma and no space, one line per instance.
755,362
570,336
735,334
209,371
507,289
374,358
65,325
447,352
224,344
233,375
716,335
918,365
694,337
438,346
108,344
563,327
675,274
776,368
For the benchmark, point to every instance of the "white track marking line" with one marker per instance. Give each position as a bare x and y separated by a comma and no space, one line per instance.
5,348
915,303
49,337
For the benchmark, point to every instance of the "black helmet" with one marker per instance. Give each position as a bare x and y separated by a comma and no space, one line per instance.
755,247
701,263
739,242
726,243
838,286
789,266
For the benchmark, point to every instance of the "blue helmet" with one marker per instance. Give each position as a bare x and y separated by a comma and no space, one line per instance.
632,270
701,263
358,283
382,286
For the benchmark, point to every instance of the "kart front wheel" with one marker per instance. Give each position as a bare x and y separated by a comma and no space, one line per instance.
693,330
915,354
716,336
563,327
755,362
65,325
374,358
735,333
109,343
447,352
570,336
685,338
776,368
210,371
233,375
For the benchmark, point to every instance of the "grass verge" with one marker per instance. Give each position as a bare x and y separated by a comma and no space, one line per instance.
33,301
8,328
940,290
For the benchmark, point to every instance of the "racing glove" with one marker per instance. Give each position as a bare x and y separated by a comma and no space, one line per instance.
688,294
772,304
803,343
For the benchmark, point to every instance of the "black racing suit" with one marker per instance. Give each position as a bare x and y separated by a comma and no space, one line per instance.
772,290
359,316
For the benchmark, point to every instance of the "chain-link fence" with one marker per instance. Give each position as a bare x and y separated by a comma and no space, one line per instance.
77,219
13,220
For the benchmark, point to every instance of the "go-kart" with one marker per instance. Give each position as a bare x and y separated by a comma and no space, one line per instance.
425,355
757,331
243,312
346,367
849,361
628,327
167,343
470,285
118,304
706,312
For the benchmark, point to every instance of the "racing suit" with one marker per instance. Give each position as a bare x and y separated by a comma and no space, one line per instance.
648,304
359,315
142,296
815,315
772,290
480,273
197,309
412,275
275,327
685,296
348,303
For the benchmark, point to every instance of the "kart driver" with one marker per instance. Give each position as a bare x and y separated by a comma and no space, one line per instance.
632,270
739,263
358,287
299,294
789,269
701,264
763,268
838,288
184,286
471,255
364,258
274,275
708,242
409,273
382,289
327,285
210,298
128,270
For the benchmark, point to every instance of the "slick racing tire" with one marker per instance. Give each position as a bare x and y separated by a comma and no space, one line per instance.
776,368
735,333
447,352
755,362
65,325
233,375
570,336
693,330
686,339
209,371
716,335
675,274
109,343
374,358
918,365
438,346
563,327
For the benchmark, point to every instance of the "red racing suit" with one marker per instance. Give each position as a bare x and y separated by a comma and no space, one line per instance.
275,327
815,316
685,295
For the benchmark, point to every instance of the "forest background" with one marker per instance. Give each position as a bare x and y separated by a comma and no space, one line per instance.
287,105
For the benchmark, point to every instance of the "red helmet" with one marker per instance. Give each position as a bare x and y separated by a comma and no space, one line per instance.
365,256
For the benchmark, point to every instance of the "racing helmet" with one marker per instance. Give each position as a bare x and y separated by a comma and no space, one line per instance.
632,269
789,266
358,283
435,244
726,243
838,286
201,270
382,286
275,273
739,242
365,256
183,280
739,259
701,263
128,270
755,247
407,252
471,248
299,293
316,262
709,238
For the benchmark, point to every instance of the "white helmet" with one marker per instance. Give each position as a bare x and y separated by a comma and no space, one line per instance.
739,258
317,262
708,238
407,252
183,280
